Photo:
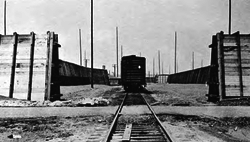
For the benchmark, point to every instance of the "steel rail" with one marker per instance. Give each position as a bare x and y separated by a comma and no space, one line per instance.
166,132
115,119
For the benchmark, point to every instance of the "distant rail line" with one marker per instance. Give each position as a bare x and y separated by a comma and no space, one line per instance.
152,130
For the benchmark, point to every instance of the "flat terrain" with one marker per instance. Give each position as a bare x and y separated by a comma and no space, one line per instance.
179,94
183,109
160,94
183,128
54,129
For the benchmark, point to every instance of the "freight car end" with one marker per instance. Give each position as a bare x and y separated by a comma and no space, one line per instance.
133,72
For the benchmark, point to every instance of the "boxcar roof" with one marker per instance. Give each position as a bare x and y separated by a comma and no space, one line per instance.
132,56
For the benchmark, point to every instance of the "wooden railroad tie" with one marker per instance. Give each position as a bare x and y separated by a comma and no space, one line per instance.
127,133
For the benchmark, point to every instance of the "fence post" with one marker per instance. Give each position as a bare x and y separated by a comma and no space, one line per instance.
237,34
50,43
221,73
13,66
32,48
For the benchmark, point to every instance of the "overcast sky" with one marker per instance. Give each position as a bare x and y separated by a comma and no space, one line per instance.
145,26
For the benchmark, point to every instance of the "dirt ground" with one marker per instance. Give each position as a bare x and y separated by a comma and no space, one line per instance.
85,91
54,129
179,94
94,127
158,94
114,94
204,129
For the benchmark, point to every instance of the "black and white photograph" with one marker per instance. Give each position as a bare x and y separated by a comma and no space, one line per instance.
125,71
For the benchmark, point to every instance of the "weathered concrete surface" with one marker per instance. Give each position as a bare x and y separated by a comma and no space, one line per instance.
213,111
6,112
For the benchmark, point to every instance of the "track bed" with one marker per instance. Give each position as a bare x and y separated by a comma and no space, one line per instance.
143,128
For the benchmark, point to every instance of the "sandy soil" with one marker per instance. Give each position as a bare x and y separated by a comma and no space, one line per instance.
179,94
85,91
53,129
114,94
203,129
94,127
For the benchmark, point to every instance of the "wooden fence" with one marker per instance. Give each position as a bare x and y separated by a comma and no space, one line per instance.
30,68
26,65
162,78
151,79
230,60
72,74
196,76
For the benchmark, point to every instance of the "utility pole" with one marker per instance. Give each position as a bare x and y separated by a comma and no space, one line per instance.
92,42
162,67
153,66
177,66
114,65
121,51
85,59
229,27
80,40
140,54
5,17
117,50
192,60
169,70
159,60
175,54
162,70
201,63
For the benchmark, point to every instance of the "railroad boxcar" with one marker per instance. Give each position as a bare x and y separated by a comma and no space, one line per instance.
133,72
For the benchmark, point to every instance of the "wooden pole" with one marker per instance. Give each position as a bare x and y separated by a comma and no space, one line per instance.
229,13
192,60
153,66
13,66
239,63
159,60
114,65
117,52
162,70
80,40
121,51
221,68
32,48
5,17
162,67
177,67
175,52
92,43
85,59
169,71
50,64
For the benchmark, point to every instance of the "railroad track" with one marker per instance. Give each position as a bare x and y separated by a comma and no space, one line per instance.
149,131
